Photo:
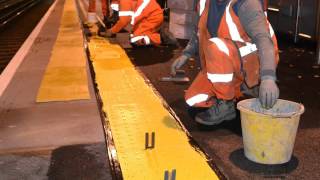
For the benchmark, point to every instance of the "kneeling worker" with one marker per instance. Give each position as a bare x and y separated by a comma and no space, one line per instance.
237,46
145,16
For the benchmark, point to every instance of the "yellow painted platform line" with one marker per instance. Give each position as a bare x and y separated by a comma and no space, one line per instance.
133,109
66,76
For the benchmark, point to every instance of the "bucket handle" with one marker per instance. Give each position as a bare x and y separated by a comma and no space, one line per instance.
284,115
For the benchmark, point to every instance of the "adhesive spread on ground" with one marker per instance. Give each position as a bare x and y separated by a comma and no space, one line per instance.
66,76
133,109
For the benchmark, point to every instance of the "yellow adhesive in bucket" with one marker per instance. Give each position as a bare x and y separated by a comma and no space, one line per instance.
269,135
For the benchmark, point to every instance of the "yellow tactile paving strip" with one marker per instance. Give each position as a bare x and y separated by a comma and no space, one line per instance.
66,76
133,109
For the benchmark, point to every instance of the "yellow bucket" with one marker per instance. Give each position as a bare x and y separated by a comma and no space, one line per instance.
269,135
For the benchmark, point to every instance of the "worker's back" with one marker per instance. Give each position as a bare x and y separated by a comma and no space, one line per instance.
144,9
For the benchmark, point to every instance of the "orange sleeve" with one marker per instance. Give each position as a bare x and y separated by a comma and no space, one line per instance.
124,6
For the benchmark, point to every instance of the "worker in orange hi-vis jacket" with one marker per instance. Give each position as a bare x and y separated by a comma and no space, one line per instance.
145,16
110,19
192,49
237,46
114,5
92,10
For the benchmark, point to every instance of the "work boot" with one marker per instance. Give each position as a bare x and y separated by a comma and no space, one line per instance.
167,37
221,111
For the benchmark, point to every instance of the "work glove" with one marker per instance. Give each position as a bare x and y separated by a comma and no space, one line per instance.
178,63
268,93
107,33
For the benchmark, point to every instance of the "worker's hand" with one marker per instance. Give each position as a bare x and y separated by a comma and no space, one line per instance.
178,63
108,33
268,93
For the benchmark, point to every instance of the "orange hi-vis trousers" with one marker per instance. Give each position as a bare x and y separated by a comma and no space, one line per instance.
221,77
145,17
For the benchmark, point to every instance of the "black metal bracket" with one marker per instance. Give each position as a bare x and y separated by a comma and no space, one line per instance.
147,144
170,176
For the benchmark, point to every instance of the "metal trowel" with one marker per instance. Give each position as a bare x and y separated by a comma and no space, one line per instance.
179,77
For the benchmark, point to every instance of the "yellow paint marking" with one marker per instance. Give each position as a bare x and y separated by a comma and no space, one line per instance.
66,77
133,109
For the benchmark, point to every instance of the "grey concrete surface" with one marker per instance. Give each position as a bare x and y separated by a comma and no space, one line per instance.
25,124
14,167
55,140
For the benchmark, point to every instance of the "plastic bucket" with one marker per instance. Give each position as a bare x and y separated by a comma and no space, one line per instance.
269,135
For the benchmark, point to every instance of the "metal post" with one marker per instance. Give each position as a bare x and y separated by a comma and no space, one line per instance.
296,33
318,34
108,8
318,49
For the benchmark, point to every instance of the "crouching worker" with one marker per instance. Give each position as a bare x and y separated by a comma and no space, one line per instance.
237,46
145,16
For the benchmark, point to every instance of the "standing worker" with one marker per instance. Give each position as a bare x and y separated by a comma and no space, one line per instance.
92,10
237,46
145,16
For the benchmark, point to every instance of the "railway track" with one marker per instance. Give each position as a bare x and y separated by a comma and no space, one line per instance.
17,20
9,10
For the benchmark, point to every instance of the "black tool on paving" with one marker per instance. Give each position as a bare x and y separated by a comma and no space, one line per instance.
179,77
170,176
147,144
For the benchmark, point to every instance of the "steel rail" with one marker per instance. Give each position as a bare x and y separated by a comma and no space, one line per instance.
8,4
17,11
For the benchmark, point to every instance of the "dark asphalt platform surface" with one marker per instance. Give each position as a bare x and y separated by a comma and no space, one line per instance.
298,80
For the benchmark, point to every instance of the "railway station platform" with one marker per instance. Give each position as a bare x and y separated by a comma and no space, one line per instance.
81,107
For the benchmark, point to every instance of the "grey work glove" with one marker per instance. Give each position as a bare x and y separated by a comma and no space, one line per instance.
268,93
178,63
107,33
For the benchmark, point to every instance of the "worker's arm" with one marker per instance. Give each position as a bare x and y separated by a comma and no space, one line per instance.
125,13
193,45
190,50
253,20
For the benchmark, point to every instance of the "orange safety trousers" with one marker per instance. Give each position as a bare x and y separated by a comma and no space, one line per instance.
221,77
148,26
145,18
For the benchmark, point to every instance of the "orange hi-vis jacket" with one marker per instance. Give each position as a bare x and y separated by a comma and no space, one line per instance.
145,16
227,60
114,5
92,6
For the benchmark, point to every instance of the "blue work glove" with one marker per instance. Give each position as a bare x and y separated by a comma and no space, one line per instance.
268,92
178,63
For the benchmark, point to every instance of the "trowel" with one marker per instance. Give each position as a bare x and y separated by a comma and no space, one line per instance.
179,77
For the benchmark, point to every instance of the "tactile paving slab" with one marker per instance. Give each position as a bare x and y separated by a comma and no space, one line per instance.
66,75
134,109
